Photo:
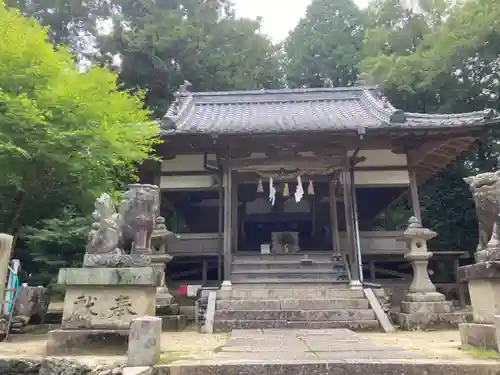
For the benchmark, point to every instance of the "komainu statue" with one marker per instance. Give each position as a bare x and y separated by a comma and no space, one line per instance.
128,229
485,188
137,213
105,234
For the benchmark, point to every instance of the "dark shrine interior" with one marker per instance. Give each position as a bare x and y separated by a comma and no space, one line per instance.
195,211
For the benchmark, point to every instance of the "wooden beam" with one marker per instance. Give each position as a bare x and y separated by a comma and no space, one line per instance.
381,168
418,154
414,188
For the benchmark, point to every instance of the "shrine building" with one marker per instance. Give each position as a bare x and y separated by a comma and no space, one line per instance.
248,173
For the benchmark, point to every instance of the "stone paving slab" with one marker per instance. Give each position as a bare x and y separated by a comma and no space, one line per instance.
328,344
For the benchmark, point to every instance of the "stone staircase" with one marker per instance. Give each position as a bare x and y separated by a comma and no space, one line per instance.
281,291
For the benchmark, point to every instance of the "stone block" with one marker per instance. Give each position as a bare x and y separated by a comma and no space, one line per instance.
425,297
426,307
145,276
163,296
144,341
173,323
497,331
430,320
172,309
113,307
478,336
65,342
245,304
116,259
139,370
485,299
344,367
483,270
295,315
31,301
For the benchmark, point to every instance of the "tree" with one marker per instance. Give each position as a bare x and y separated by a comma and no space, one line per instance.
199,41
170,40
65,137
443,59
324,48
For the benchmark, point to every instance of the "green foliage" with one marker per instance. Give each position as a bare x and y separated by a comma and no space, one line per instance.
57,243
202,42
444,59
324,48
65,136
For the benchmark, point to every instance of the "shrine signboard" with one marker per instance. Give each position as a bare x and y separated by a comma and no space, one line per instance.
106,308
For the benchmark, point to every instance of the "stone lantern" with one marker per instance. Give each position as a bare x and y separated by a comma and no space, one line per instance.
423,307
161,239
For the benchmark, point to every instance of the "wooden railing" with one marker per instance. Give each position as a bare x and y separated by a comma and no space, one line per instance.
193,244
380,242
373,243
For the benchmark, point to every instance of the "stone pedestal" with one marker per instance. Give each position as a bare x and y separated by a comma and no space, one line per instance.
484,289
99,305
163,296
423,307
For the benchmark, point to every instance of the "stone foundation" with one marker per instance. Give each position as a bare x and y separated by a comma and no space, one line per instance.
99,306
69,341
476,335
484,290
428,311
173,323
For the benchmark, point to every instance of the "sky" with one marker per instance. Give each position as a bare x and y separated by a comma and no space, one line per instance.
279,17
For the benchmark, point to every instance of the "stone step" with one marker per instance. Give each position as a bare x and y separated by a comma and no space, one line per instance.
293,304
289,265
317,257
288,280
283,275
287,290
296,315
229,325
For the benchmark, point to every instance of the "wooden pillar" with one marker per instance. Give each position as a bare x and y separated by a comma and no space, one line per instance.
334,218
413,189
372,271
220,252
228,237
204,271
234,213
459,283
349,222
357,244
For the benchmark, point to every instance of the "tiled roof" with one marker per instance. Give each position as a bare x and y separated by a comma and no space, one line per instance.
270,111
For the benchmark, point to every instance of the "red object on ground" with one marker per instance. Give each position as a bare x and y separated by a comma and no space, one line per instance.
183,290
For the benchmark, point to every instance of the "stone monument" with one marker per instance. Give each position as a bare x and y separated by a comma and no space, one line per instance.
483,277
117,282
423,307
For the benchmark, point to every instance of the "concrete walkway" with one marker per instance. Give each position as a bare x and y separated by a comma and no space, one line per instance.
303,345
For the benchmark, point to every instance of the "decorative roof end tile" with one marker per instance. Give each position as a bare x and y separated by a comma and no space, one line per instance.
398,116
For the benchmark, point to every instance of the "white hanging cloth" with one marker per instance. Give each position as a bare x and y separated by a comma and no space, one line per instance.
272,192
299,190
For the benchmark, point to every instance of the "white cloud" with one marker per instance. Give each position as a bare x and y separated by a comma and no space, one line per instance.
278,16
